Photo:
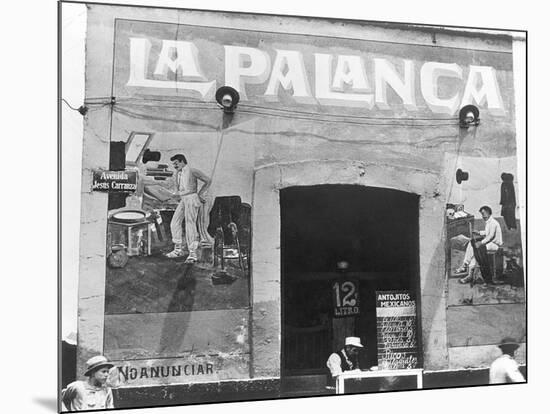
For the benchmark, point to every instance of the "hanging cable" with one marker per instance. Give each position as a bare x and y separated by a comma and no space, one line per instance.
344,115
399,122
69,105
221,135
286,113
82,110
341,121
127,104
133,114
163,100
144,116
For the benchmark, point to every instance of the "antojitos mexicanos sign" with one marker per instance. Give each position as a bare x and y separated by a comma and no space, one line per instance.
354,80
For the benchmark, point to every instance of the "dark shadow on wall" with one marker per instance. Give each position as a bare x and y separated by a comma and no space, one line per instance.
68,363
117,162
172,335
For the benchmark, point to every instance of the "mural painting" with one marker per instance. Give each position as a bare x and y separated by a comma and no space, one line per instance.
486,292
385,212
175,253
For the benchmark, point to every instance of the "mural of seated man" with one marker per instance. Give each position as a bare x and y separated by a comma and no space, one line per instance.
489,239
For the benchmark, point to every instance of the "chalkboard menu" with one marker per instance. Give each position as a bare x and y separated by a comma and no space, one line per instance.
396,329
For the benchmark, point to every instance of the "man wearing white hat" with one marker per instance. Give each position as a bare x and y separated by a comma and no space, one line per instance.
347,359
93,394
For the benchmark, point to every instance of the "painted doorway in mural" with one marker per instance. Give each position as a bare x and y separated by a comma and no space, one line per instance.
375,232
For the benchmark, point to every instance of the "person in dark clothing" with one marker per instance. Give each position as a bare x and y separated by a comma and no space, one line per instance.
347,359
508,200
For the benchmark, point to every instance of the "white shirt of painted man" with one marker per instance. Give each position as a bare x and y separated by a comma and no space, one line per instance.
492,233
187,180
492,240
188,208
505,369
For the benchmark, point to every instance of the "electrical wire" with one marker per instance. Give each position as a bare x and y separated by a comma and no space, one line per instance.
98,108
317,115
340,121
99,97
169,106
69,105
398,121
137,115
218,151
347,116
84,108
131,99
104,103
334,121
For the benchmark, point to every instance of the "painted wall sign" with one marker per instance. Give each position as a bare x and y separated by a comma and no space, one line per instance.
163,58
114,181
345,297
191,369
396,330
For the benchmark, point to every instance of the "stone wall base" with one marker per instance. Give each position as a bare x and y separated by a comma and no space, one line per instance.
265,389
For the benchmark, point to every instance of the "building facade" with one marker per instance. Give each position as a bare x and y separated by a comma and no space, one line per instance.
344,148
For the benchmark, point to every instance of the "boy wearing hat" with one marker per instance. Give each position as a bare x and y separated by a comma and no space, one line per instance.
505,369
93,394
347,359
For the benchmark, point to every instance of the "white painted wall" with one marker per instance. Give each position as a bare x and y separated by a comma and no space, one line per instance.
73,25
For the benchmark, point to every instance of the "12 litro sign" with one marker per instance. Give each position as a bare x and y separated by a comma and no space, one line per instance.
114,181
346,298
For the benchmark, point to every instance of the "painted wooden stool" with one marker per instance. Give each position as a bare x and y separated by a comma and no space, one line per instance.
496,264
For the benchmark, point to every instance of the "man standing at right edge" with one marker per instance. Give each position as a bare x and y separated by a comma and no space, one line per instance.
505,369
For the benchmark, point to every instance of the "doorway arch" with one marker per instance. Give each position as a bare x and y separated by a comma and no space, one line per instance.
375,231
268,183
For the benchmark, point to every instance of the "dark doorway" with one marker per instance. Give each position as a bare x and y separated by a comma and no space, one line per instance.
375,230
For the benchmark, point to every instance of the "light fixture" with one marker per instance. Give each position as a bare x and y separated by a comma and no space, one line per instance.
468,116
461,176
342,265
227,98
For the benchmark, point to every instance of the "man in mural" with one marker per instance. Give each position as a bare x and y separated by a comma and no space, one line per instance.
191,200
491,241
347,359
505,369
